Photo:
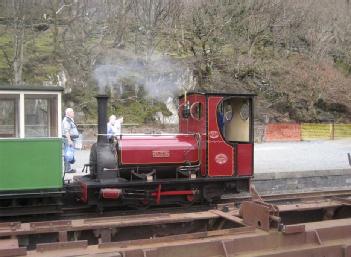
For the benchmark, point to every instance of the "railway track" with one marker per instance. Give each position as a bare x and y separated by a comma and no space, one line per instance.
228,201
212,231
290,197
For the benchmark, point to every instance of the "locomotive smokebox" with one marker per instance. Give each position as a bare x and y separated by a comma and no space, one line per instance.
102,118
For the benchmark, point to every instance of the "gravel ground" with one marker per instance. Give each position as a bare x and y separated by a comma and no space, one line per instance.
282,156
302,156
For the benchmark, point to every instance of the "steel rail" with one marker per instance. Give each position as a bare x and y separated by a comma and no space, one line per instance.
291,196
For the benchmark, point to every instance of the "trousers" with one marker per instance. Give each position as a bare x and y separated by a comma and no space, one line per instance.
66,164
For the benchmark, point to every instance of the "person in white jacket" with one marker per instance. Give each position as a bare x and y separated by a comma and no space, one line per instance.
114,126
70,134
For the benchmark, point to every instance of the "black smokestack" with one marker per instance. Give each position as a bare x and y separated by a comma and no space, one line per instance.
102,118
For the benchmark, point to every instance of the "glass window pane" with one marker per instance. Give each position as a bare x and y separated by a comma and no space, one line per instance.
40,116
234,119
8,116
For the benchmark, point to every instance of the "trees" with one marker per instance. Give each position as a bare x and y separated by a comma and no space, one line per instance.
19,29
153,18
224,44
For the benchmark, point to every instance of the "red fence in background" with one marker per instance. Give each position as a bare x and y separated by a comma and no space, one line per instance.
282,132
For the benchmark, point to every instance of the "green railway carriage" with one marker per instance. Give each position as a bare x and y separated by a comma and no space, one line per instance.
30,149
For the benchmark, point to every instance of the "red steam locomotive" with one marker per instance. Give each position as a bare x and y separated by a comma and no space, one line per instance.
211,155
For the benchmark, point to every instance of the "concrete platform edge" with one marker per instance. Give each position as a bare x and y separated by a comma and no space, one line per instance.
301,174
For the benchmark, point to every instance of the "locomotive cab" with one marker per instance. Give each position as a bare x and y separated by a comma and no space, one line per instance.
226,128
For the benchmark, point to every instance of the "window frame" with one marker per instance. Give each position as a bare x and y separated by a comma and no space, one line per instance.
250,103
15,99
21,108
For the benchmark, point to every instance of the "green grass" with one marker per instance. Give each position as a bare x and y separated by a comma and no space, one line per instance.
5,38
5,44
38,56
44,43
344,67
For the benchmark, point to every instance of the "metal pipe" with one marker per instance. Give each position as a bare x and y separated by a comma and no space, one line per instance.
102,118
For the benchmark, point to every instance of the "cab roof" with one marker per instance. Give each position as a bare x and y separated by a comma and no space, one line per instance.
225,94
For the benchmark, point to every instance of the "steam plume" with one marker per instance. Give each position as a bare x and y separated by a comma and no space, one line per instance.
161,77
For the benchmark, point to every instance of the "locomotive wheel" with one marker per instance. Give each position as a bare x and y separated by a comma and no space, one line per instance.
212,193
142,205
189,201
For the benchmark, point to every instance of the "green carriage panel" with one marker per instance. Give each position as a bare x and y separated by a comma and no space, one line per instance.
30,164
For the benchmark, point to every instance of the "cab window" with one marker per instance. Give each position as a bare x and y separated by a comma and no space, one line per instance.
233,116
196,110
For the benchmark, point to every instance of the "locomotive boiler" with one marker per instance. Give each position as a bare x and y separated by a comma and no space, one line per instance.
211,155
